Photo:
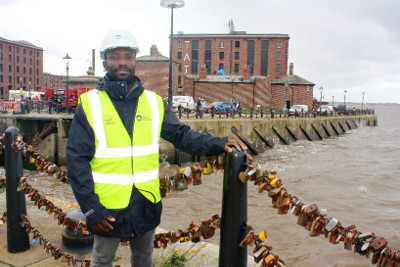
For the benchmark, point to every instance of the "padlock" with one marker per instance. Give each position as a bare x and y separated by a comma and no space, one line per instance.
348,240
331,225
270,260
302,218
248,240
259,254
243,177
276,182
262,235
378,244
315,229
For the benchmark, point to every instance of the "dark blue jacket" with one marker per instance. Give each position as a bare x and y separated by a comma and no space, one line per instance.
141,215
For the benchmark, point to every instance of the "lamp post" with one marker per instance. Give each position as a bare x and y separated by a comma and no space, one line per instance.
344,99
67,58
320,98
362,102
171,4
333,97
287,99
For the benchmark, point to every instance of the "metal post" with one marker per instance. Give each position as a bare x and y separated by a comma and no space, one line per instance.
170,60
17,237
234,211
67,83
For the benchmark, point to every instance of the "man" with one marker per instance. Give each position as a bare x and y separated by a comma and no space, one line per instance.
112,154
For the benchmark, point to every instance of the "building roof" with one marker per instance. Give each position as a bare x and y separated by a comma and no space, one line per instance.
233,35
292,79
154,59
21,42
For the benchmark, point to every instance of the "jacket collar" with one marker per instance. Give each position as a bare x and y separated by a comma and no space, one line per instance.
117,89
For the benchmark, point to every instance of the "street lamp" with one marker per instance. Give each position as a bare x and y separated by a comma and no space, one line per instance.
320,98
362,102
171,4
333,97
67,58
344,99
287,99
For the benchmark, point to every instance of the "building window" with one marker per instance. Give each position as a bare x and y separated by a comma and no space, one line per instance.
30,52
37,71
179,44
250,55
221,44
278,56
208,66
207,55
237,55
1,78
208,44
195,55
30,70
179,55
9,68
221,55
179,67
30,61
9,57
279,44
17,59
37,54
237,44
24,51
17,69
37,62
194,67
221,66
37,81
9,48
1,46
1,67
179,79
195,44
236,68
24,60
264,57
278,69
17,49
1,56
264,44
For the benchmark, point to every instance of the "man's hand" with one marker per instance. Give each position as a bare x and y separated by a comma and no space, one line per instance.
239,145
104,226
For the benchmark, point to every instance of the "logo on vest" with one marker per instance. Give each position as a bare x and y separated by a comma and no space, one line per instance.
108,120
143,118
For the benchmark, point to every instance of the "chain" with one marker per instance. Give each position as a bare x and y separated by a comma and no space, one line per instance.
316,220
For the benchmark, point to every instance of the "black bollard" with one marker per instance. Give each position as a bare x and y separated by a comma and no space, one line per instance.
180,111
234,212
251,113
17,237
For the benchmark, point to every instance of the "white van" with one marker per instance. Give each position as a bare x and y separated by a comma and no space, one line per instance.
184,100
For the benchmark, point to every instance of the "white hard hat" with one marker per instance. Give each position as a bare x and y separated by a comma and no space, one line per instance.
116,38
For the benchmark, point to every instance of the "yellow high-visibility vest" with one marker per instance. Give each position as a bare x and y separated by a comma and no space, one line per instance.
119,161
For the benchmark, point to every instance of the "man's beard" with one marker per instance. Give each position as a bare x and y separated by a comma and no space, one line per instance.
111,73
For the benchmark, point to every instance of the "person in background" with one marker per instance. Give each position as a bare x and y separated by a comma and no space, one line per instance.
113,154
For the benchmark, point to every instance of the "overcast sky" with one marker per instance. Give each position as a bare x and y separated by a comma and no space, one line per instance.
336,44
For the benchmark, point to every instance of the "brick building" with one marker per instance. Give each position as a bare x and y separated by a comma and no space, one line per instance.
153,71
52,81
262,54
291,88
21,66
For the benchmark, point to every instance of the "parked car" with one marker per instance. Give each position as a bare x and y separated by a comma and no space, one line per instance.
298,108
343,108
325,109
221,106
183,100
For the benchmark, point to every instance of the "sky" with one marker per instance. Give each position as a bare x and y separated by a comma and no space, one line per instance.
337,44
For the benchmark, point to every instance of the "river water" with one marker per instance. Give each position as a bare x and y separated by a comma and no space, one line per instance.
354,176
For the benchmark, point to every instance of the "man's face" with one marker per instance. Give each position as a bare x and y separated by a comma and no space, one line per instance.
120,64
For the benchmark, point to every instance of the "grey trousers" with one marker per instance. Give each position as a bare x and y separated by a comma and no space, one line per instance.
104,249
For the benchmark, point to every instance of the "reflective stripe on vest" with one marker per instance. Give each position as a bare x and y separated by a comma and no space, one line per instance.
120,161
